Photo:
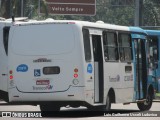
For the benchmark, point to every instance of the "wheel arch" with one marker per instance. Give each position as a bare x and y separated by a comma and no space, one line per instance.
111,94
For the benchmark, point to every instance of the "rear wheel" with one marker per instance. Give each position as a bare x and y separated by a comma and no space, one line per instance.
49,107
106,107
147,104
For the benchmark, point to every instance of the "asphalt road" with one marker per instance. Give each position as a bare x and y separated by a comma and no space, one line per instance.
83,114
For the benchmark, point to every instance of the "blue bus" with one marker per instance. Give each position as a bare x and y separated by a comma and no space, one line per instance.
154,59
144,90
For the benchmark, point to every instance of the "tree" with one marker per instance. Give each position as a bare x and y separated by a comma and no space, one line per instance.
5,8
13,7
31,9
151,13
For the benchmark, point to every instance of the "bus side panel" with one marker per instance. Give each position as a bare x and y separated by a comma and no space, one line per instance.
3,63
121,82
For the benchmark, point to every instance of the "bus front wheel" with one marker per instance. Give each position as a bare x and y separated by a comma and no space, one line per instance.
147,104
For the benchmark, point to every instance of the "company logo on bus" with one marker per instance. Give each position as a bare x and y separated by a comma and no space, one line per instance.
22,68
89,68
114,79
42,60
48,87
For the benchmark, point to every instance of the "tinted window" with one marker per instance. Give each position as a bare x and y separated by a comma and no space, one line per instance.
87,48
51,70
125,49
110,46
5,38
153,51
153,43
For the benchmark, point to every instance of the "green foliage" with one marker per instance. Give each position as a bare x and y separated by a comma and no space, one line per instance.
31,9
151,16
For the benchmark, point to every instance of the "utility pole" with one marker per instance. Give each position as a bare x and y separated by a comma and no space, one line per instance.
10,9
138,13
22,8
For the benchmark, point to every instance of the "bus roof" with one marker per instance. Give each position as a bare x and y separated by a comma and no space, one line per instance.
137,29
153,32
99,25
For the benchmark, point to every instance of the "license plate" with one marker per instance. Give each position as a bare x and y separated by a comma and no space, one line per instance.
42,82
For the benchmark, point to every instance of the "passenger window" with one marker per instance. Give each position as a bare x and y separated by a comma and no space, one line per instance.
110,46
125,49
87,47
5,38
153,51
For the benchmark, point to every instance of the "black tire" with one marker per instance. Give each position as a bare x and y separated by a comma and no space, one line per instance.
49,107
147,104
108,104
106,107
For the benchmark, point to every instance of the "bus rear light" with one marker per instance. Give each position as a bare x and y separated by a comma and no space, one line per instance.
75,75
11,77
75,70
10,72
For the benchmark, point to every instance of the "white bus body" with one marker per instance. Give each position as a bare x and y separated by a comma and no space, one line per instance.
46,62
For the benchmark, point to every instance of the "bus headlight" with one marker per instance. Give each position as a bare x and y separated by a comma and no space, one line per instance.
75,81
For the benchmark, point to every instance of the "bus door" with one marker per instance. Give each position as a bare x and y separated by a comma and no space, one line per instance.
141,68
98,68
